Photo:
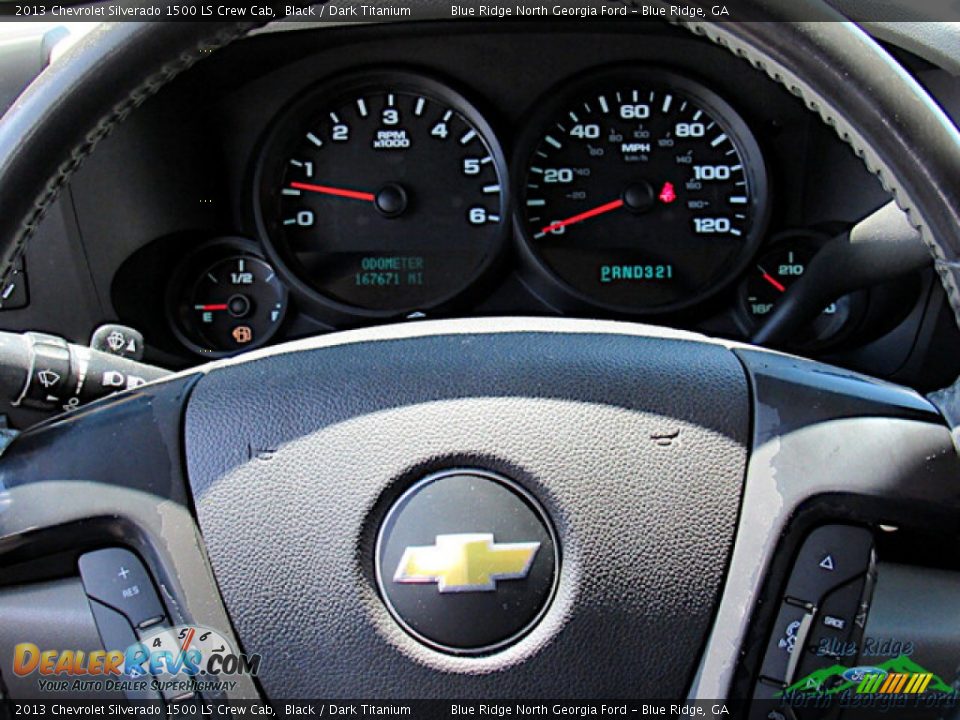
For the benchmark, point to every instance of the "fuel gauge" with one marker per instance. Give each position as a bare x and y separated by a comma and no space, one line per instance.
228,304
776,270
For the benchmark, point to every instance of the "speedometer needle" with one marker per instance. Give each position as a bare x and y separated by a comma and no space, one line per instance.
337,192
607,207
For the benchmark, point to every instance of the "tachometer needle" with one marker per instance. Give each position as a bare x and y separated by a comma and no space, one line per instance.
337,192
771,279
581,217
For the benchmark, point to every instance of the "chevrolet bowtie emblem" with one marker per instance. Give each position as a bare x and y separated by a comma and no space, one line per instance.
468,562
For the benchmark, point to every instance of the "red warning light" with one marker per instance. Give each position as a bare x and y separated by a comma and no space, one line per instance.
667,193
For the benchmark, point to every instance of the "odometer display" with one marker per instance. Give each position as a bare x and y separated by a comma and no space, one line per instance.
381,194
640,192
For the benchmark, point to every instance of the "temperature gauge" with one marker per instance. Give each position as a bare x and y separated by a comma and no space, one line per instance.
775,271
228,305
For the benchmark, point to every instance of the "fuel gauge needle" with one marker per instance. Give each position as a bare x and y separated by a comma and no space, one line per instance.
335,191
771,279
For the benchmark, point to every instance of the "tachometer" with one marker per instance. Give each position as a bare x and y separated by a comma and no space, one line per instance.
381,194
640,192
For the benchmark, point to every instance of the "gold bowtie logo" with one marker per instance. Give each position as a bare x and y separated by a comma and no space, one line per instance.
468,562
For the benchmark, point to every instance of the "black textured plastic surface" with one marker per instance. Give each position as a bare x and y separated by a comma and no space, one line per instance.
635,446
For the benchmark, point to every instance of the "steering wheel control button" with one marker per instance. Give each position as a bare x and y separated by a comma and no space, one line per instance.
831,556
117,578
825,606
115,632
466,561
836,618
786,644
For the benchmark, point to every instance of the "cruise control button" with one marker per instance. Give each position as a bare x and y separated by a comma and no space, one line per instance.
117,578
116,634
831,556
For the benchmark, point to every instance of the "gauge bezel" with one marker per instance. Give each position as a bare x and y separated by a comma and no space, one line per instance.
806,341
537,273
211,252
310,101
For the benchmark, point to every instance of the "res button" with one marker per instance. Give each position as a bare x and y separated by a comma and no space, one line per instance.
117,578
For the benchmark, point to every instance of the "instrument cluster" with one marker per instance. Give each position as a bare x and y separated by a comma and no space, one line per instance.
636,192
631,191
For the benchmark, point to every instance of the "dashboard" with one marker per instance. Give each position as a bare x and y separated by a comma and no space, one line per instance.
471,169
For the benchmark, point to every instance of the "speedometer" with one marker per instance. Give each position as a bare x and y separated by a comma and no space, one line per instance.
640,192
381,193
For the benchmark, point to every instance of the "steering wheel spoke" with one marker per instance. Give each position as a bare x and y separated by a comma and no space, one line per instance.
108,475
829,447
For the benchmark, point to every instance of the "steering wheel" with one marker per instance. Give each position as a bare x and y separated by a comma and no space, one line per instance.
671,478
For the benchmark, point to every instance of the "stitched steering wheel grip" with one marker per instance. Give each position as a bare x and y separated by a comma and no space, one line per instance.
840,73
76,102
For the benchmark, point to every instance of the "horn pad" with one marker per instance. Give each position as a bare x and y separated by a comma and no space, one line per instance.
634,445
